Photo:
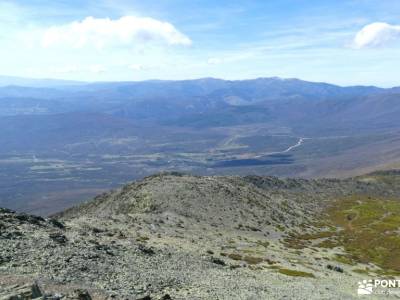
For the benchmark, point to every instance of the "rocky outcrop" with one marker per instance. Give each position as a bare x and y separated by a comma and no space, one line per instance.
20,292
175,236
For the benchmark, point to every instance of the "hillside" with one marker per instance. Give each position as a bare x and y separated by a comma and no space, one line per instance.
177,236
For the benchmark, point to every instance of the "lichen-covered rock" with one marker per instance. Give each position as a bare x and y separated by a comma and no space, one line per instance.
185,237
20,292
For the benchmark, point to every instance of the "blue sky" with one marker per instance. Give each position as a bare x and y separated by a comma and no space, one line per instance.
344,42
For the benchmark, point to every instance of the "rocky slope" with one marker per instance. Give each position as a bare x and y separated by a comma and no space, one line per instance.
176,236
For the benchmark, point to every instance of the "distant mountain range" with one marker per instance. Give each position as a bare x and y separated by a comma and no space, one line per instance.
212,102
77,138
30,82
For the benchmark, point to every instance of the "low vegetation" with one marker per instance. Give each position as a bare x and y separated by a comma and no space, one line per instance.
367,228
295,273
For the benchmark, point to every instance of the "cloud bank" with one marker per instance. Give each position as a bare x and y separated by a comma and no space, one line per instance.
376,35
214,61
96,69
106,32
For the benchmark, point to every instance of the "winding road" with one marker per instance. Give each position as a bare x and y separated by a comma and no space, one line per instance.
298,144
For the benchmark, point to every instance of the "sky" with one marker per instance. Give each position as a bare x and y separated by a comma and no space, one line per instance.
346,42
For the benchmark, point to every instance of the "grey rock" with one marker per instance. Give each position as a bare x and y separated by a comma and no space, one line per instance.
20,292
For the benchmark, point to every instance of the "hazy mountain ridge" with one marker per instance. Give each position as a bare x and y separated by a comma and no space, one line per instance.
89,137
177,101
30,82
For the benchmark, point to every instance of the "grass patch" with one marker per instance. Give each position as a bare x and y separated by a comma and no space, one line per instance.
142,238
369,229
295,273
328,243
235,256
344,259
252,260
274,267
361,271
295,243
366,227
265,244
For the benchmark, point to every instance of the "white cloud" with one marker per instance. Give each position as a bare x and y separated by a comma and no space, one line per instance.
376,34
66,70
136,67
214,61
106,32
96,69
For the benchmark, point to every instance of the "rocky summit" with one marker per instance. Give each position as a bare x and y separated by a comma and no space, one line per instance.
177,236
